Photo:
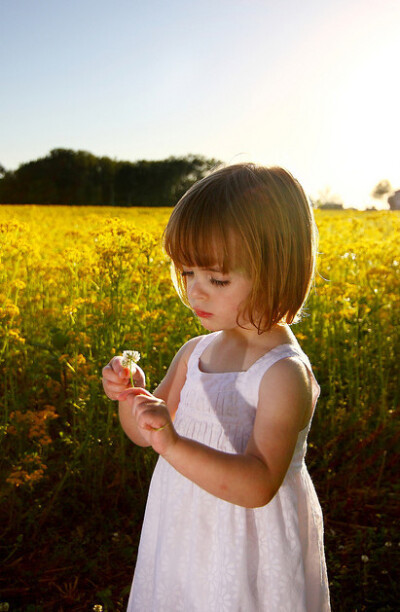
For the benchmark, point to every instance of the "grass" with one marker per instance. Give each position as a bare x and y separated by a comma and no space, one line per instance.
78,285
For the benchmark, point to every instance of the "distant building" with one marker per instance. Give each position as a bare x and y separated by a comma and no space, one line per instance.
394,200
331,206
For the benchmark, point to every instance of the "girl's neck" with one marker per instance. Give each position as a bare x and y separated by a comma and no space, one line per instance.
279,334
236,350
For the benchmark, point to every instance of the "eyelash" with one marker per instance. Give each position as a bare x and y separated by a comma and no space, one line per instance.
219,283
213,281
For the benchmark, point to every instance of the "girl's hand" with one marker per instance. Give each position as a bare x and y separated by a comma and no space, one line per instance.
152,418
116,378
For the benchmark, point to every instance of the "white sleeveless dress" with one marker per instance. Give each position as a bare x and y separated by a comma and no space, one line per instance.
198,553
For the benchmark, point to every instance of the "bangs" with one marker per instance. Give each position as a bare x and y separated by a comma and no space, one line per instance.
202,233
198,236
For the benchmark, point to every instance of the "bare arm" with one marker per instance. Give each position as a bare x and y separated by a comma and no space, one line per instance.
250,479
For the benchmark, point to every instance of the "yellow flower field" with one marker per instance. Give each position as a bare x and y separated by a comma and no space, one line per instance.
78,285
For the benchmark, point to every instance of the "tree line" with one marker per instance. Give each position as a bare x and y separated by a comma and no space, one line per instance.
71,177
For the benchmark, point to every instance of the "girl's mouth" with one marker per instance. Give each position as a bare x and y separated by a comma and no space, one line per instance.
202,314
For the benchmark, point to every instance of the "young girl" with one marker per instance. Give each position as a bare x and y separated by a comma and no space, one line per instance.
232,521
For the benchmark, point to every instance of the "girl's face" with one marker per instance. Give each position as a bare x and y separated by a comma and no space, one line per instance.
216,298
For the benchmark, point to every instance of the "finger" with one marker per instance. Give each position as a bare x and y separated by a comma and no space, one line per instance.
115,388
137,374
134,391
139,377
150,418
110,373
119,369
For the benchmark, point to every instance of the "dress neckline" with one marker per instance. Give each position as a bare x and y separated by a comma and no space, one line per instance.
237,372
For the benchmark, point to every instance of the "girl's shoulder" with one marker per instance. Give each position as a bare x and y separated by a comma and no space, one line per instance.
290,374
193,345
288,361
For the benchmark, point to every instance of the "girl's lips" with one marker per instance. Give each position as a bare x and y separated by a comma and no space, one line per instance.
202,314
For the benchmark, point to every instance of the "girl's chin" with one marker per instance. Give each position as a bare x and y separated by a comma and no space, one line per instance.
207,324
211,325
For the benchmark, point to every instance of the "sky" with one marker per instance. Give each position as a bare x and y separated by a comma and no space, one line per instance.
312,86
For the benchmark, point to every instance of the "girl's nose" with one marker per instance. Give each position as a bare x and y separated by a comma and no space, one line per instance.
196,289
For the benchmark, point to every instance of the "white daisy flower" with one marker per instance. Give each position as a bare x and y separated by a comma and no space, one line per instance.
129,358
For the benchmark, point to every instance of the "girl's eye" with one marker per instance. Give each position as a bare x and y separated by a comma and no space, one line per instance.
214,281
219,283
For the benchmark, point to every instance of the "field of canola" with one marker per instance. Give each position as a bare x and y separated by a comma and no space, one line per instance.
78,285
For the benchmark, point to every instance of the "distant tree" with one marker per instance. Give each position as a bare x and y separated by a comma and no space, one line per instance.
125,183
105,177
2,171
193,168
7,188
78,177
382,188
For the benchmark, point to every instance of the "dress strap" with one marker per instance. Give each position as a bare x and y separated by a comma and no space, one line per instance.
200,347
252,377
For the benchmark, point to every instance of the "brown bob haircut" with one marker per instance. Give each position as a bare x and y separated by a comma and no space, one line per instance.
254,219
